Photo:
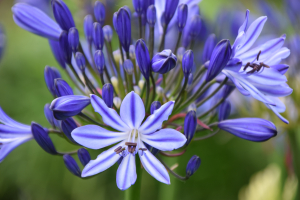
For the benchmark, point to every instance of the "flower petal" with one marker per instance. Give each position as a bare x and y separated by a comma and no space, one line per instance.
154,121
7,131
165,139
126,174
5,119
153,166
109,115
96,137
132,110
104,161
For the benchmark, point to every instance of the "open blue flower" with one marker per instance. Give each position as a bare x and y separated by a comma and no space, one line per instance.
132,134
12,134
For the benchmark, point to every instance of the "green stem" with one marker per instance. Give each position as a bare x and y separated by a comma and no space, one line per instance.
162,42
77,76
84,116
296,157
151,42
178,41
153,87
140,27
206,136
147,93
212,108
134,192
182,89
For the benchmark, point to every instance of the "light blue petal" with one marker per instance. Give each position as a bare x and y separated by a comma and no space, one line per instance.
7,131
267,76
278,56
5,119
245,24
126,174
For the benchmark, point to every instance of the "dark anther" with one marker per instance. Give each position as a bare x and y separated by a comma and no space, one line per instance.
130,144
246,66
264,65
131,149
257,57
143,149
119,150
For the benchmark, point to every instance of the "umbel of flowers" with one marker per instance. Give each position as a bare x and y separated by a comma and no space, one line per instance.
153,93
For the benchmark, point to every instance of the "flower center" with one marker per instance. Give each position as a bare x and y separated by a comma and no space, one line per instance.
255,66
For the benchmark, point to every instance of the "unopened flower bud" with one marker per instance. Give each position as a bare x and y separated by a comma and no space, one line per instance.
80,61
195,26
108,94
73,38
65,47
84,156
62,15
208,48
50,118
117,102
42,138
187,63
138,6
123,23
99,61
107,32
180,53
190,80
143,58
88,28
170,8
114,81
67,126
154,106
128,66
99,12
159,91
132,52
141,84
72,165
50,74
62,88
192,166
98,37
190,124
137,90
164,61
182,16
224,111
151,15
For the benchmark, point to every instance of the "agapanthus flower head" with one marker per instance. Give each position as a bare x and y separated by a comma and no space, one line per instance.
193,165
163,61
88,28
84,156
98,36
62,88
108,94
132,135
143,58
182,14
151,15
99,12
62,14
50,74
187,63
72,165
73,38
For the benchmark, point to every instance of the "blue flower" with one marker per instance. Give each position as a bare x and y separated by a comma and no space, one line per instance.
164,61
12,134
132,134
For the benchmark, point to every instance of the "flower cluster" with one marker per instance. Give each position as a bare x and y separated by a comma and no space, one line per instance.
153,93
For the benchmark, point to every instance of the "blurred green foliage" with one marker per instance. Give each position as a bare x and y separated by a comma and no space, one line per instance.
30,173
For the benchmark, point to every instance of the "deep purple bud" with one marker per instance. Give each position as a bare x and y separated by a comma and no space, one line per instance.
128,10
182,16
68,106
192,166
42,138
72,165
67,126
218,60
154,106
195,26
163,20
62,88
253,129
224,111
208,48
115,21
170,8
50,74
88,28
143,58
191,78
99,61
164,61
190,124
187,63
107,32
138,6
124,28
73,38
50,118
62,14
128,66
99,12
65,47
151,15
84,156
108,94
80,61
58,53
98,37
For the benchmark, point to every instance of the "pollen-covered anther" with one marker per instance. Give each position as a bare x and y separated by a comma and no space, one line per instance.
119,150
131,146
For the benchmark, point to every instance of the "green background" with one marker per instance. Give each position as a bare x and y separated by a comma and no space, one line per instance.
30,173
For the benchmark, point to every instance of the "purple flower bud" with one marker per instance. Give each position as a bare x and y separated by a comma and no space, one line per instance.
50,118
68,106
143,58
195,26
151,15
108,94
88,28
154,106
218,60
170,8
67,126
62,14
65,47
128,66
99,12
98,37
192,166
72,165
163,20
80,61
190,124
164,61
58,53
73,38
84,156
224,111
99,61
42,138
115,21
187,63
208,48
191,78
107,32
62,88
253,129
182,16
51,73
124,28
35,21
138,6
128,10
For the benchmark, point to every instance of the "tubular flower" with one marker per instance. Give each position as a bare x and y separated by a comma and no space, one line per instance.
132,134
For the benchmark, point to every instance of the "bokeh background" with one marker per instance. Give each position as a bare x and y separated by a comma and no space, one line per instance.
228,162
